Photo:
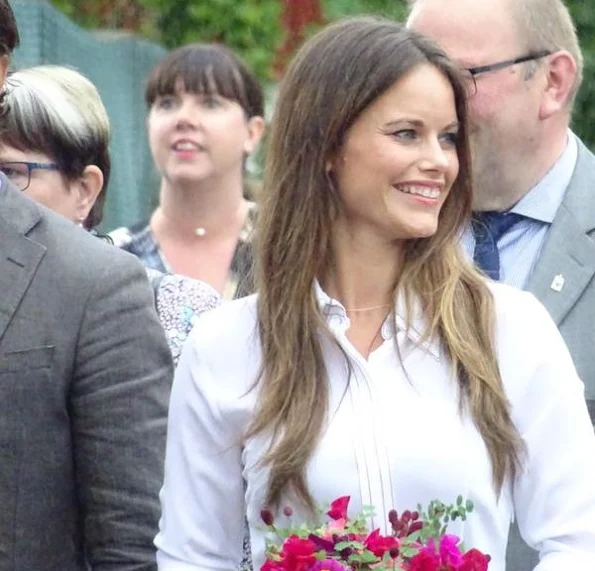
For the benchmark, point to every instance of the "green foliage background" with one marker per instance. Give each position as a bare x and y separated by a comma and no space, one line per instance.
252,27
583,122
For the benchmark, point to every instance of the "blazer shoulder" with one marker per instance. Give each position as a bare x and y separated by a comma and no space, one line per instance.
579,200
73,251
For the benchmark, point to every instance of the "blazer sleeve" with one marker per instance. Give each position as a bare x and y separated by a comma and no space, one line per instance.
119,398
554,495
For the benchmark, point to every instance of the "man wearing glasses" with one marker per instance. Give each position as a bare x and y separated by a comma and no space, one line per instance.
534,180
85,372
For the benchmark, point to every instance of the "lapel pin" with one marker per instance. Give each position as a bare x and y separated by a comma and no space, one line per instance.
557,283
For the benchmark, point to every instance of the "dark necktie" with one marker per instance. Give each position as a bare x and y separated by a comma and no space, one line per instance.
488,228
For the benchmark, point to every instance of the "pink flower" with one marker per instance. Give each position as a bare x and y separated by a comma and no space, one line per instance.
338,509
450,554
334,527
328,565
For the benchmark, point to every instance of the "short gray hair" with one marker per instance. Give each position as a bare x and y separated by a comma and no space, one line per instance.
56,111
548,25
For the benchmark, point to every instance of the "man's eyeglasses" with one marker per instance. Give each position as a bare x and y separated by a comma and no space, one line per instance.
471,72
19,172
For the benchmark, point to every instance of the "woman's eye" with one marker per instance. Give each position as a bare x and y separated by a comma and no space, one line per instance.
450,138
165,102
211,102
405,134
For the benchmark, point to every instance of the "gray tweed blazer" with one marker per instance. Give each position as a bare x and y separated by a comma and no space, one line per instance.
85,374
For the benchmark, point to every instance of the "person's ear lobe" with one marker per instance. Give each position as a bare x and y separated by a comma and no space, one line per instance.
87,186
560,77
256,128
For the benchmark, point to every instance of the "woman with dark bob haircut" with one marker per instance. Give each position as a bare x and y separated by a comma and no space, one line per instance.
374,361
205,117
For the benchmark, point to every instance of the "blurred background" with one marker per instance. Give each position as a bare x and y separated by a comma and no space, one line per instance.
116,42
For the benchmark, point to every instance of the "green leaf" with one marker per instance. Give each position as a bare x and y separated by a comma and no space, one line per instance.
409,551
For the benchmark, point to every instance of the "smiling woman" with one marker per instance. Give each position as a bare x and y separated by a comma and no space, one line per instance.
395,169
374,361
205,117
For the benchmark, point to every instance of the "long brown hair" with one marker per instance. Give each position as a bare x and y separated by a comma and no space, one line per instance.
333,78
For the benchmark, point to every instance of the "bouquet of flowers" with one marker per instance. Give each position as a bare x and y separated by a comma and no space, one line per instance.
419,542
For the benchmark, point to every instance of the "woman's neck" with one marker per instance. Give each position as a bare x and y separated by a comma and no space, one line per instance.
364,271
201,212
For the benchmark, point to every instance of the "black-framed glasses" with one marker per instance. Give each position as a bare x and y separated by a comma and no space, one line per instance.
470,73
19,172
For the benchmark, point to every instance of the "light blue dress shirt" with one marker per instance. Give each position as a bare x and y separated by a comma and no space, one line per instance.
521,246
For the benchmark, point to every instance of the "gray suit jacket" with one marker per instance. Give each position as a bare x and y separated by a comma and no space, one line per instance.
85,374
569,252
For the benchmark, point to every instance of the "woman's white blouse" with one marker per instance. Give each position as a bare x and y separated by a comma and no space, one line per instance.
392,440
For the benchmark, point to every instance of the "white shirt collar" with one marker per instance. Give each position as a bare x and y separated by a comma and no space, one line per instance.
330,306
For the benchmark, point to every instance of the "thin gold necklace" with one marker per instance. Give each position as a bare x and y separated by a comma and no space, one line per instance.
356,309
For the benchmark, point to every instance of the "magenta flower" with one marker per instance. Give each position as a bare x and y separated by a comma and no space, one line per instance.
450,554
328,565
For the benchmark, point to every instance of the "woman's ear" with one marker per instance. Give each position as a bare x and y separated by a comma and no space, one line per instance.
87,186
256,127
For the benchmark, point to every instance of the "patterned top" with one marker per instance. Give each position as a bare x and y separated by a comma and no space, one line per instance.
179,301
140,241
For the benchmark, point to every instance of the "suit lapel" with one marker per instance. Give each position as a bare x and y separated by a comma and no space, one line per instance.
19,255
568,255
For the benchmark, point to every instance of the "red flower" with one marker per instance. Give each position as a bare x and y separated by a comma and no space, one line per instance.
475,560
297,554
424,561
270,565
379,544
339,508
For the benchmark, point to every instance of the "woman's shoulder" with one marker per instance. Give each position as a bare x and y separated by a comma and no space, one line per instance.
231,329
522,318
517,308
532,355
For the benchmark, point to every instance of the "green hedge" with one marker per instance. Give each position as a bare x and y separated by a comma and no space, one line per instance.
584,113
